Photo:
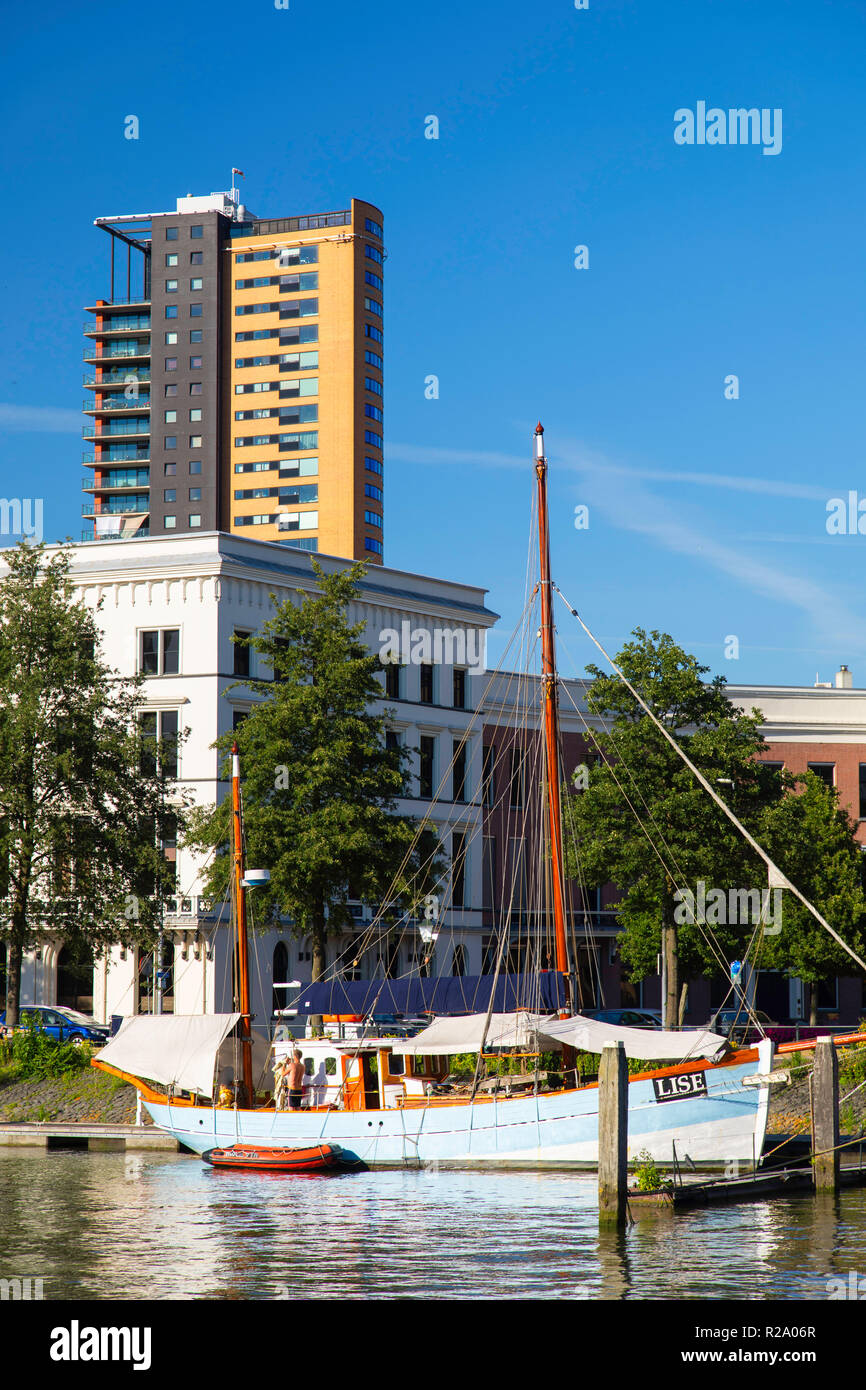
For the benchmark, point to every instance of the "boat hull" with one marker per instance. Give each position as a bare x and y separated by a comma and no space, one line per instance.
721,1125
314,1158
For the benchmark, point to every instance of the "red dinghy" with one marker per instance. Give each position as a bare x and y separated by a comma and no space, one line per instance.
318,1158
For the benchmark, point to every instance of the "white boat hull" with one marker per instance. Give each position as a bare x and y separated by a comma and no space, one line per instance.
724,1125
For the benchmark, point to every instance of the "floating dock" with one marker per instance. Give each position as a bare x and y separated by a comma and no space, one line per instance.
780,1182
104,1138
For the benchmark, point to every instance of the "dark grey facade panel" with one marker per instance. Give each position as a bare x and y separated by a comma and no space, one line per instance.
206,319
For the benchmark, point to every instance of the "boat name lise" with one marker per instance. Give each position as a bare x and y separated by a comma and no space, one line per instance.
678,1087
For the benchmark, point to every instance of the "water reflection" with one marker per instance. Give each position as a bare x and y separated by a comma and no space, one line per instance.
613,1264
167,1226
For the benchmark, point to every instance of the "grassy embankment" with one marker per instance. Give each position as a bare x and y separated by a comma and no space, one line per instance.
41,1079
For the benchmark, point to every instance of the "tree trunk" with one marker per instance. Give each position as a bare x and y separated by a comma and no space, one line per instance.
18,932
670,1003
317,937
684,999
14,954
813,1006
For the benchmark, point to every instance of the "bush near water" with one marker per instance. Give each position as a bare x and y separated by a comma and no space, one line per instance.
31,1055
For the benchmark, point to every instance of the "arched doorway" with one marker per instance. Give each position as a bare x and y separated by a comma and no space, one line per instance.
279,997
75,978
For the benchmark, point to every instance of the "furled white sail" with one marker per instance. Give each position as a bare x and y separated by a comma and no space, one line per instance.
447,1036
174,1049
590,1035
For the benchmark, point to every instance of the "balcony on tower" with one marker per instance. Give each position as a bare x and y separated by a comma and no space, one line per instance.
135,427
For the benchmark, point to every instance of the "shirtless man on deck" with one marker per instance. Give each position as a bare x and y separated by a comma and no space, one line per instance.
296,1080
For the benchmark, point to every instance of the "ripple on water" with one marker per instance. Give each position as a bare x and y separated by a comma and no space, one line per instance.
167,1226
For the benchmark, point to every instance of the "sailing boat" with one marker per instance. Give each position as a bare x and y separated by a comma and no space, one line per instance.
375,1099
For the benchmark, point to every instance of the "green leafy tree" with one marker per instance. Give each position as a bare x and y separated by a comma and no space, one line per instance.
80,805
811,838
320,785
646,825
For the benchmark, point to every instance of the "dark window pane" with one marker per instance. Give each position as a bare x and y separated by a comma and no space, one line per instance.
150,653
426,684
148,743
487,774
241,654
169,722
459,700
392,681
458,868
425,776
459,757
823,770
828,994
171,651
169,831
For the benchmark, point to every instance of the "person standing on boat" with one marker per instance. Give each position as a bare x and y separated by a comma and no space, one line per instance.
281,1085
296,1080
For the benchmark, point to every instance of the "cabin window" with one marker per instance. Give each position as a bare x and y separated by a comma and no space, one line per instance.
330,1066
396,1065
308,1066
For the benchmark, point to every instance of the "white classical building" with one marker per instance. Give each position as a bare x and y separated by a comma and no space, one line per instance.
169,607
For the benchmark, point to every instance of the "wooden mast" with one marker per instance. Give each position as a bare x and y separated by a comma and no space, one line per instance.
241,928
550,696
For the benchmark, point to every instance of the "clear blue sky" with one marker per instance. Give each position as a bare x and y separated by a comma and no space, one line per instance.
706,515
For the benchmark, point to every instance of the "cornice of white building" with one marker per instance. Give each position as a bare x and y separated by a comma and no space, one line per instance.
218,555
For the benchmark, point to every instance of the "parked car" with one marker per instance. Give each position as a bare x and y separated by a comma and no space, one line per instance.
626,1018
739,1025
62,1024
394,1025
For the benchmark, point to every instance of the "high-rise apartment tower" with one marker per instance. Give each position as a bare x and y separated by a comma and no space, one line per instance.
236,367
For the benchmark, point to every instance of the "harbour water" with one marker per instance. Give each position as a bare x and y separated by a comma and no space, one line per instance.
165,1226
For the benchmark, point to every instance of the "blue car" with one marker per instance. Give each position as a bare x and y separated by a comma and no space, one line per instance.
62,1024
